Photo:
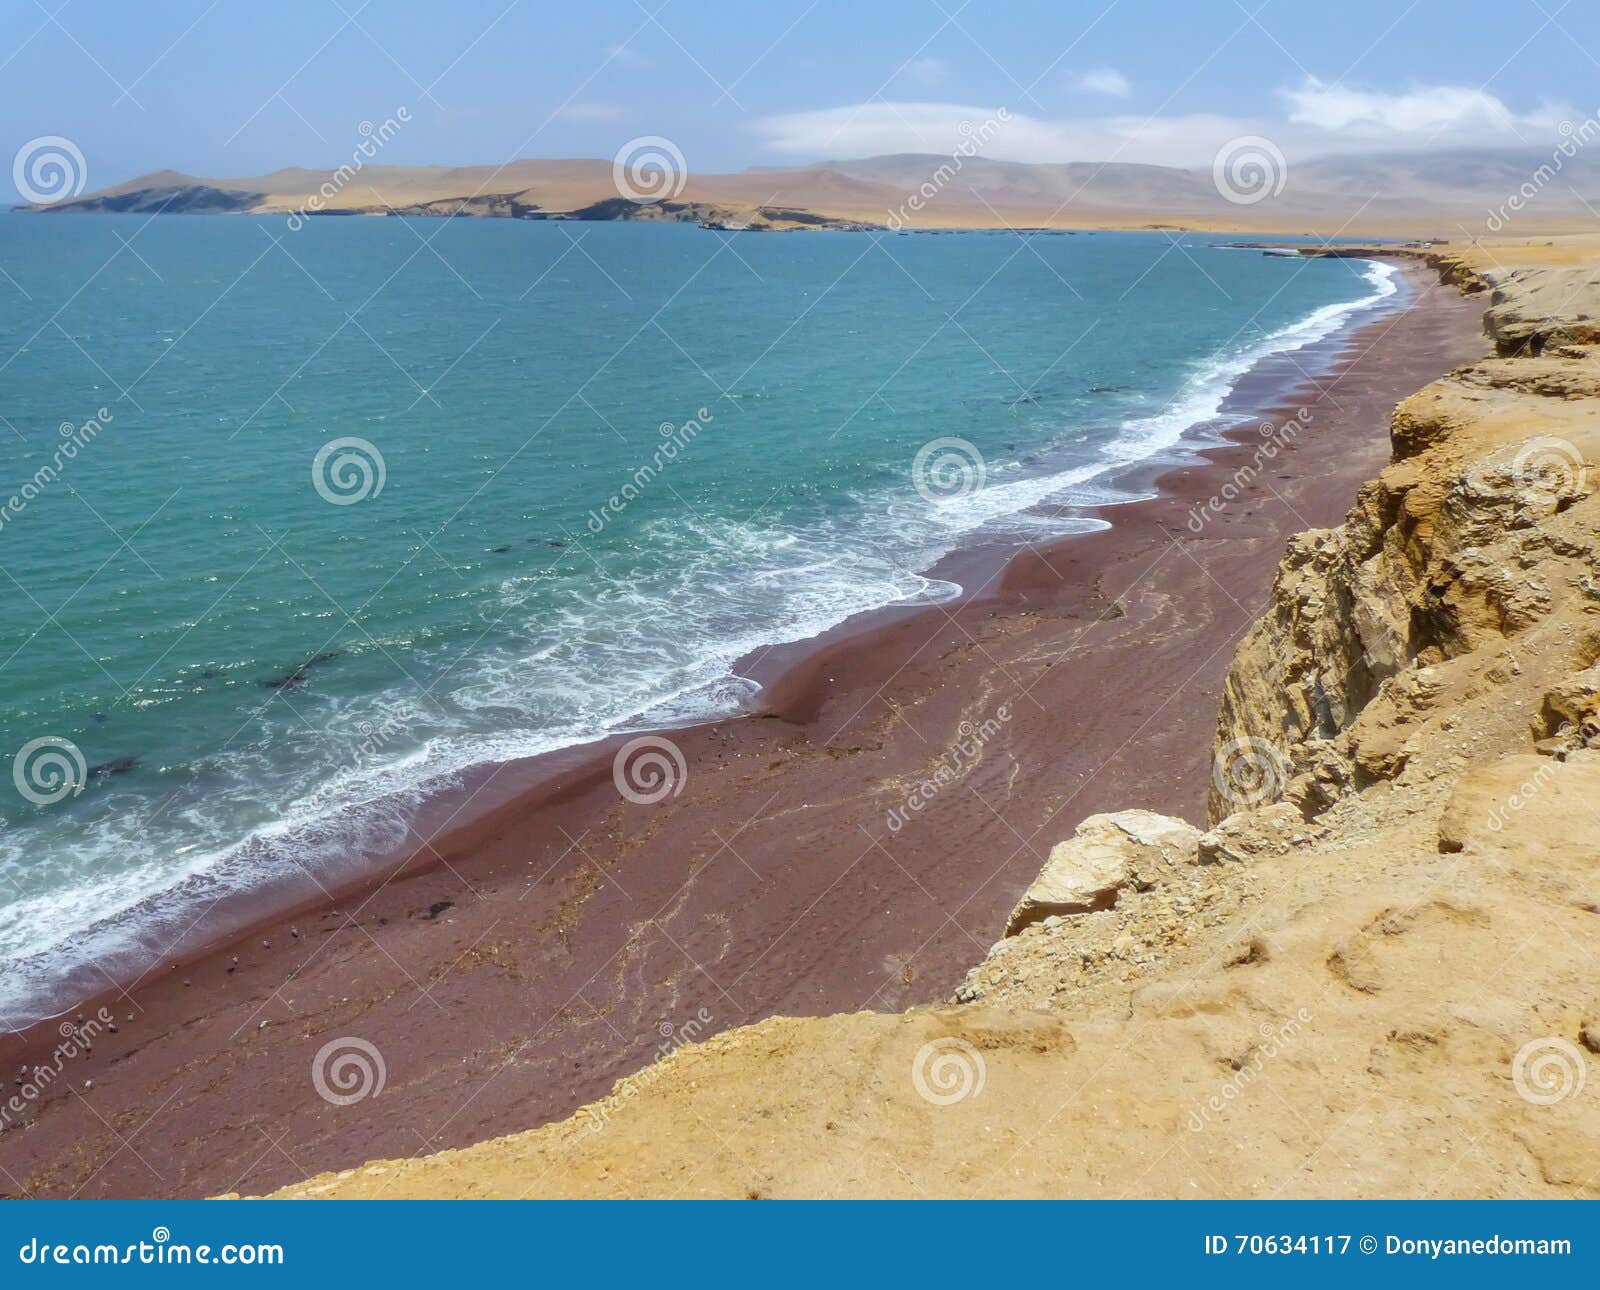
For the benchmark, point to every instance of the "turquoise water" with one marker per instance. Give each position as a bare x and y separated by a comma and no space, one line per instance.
489,599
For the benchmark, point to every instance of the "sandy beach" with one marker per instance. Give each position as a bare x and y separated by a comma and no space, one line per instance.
552,937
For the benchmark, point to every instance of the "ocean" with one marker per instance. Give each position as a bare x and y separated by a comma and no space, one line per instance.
305,524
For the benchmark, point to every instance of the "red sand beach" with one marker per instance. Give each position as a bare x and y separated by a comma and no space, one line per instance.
534,952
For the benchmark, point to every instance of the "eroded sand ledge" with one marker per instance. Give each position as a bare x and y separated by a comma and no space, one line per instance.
1373,982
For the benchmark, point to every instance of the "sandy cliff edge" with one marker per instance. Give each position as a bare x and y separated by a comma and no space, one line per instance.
1373,975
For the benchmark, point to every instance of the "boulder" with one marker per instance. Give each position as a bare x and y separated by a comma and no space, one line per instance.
1106,854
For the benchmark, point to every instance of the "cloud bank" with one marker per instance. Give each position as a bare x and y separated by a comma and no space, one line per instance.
1318,120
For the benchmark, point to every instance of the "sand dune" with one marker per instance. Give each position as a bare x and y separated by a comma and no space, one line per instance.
1454,195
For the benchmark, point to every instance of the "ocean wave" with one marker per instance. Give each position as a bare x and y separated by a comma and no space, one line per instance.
733,587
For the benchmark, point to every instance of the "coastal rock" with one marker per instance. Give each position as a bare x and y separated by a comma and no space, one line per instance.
1106,854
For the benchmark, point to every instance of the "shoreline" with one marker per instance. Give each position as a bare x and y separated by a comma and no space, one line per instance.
162,932
849,724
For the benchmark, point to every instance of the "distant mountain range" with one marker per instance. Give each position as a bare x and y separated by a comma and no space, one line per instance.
1442,194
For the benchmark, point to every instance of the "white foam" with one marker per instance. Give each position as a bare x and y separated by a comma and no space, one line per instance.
734,588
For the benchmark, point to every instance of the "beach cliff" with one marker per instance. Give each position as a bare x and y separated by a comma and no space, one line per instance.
1369,972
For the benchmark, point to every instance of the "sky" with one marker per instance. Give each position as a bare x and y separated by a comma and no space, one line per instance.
224,88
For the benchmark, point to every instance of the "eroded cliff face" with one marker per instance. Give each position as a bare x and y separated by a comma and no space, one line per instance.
1470,557
1373,975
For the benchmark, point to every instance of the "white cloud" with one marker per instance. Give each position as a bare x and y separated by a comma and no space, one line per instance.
591,113
925,71
1320,120
1103,80
1424,110
870,129
623,56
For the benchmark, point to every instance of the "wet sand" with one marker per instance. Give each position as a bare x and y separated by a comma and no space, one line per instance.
553,936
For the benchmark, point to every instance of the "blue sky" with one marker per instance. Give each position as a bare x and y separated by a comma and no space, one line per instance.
225,87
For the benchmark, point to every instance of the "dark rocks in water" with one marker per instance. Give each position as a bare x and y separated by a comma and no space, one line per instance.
553,542
298,677
500,550
99,717
116,766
